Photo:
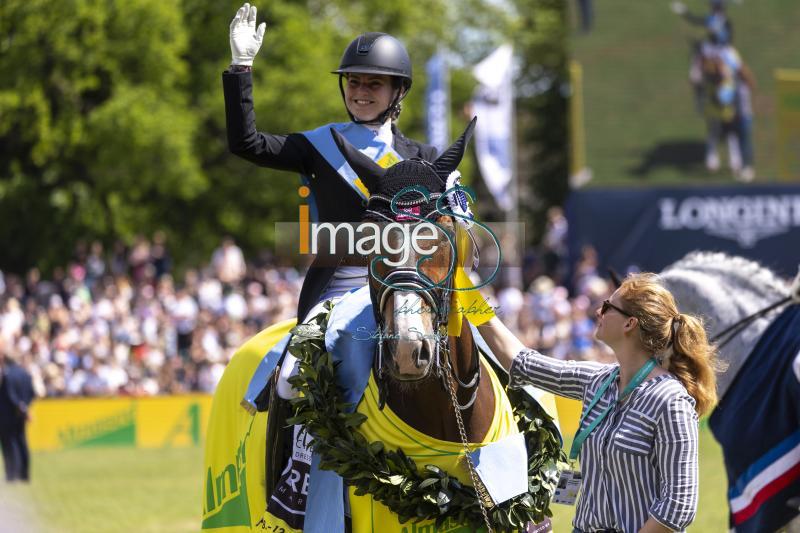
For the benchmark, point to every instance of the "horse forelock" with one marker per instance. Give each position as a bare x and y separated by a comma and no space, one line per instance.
722,290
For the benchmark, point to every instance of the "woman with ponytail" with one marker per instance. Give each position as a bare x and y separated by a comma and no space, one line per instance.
637,438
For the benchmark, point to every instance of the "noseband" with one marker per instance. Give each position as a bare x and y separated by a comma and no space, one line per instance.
409,278
438,298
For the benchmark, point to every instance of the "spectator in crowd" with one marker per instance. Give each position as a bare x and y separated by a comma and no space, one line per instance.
184,314
159,255
139,259
228,262
95,264
16,395
554,243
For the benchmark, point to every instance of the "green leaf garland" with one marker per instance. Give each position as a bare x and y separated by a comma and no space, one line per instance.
390,476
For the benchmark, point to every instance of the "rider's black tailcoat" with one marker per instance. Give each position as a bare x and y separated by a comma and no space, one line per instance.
336,201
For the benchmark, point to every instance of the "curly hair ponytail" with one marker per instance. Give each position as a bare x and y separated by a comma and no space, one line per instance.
678,339
692,361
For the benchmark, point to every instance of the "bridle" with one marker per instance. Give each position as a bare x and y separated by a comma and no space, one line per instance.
729,333
437,297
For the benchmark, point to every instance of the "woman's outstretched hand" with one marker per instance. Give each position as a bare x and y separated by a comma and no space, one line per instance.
245,38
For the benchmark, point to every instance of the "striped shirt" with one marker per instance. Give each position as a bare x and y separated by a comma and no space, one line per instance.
641,460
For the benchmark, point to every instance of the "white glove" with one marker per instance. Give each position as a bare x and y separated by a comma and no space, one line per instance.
290,367
245,39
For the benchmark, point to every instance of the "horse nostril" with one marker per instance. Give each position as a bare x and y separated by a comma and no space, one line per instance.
422,356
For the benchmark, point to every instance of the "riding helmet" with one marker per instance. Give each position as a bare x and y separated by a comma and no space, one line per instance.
376,53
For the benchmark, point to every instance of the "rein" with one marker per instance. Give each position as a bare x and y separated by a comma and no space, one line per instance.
729,333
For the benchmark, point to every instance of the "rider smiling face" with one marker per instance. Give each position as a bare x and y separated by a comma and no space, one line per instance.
374,75
368,95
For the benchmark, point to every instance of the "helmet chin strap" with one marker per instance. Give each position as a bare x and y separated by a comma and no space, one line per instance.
380,119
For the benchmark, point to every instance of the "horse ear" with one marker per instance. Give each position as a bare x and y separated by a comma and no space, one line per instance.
366,169
615,277
449,160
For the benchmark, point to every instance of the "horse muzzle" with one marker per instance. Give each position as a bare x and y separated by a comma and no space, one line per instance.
411,358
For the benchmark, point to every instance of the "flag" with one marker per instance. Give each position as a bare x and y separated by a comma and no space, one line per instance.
757,423
493,105
437,102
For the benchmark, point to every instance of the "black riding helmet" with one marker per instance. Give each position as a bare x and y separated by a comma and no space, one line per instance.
377,53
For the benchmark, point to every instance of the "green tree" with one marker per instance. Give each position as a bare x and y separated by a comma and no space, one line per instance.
113,122
96,132
540,37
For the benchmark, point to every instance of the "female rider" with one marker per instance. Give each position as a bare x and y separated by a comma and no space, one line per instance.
374,77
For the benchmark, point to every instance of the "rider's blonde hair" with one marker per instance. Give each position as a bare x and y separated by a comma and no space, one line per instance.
678,339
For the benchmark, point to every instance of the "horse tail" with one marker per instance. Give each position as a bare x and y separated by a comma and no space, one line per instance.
693,361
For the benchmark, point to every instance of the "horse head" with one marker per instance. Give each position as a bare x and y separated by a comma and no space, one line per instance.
725,290
412,268
412,271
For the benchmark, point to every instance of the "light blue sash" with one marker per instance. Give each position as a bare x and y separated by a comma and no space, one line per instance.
361,137
368,143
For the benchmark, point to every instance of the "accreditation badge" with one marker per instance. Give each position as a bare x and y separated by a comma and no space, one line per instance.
569,484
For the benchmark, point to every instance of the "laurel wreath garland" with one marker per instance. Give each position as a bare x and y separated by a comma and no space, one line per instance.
393,478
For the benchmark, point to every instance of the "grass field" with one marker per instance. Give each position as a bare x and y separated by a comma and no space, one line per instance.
109,490
641,126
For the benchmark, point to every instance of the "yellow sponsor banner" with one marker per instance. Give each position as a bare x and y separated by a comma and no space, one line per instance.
156,422
788,120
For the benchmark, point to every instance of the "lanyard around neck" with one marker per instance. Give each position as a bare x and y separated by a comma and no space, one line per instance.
582,435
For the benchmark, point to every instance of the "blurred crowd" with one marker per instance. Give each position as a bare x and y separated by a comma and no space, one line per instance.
119,323
555,313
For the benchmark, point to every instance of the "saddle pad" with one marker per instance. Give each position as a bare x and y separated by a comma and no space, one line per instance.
233,480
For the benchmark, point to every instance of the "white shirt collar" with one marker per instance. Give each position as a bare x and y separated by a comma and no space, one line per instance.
384,131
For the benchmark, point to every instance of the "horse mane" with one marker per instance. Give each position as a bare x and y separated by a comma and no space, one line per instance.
723,289
750,273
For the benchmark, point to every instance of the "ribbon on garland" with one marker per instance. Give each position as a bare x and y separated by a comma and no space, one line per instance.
466,300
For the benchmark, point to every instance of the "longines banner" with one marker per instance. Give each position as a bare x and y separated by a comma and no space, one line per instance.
158,422
651,228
